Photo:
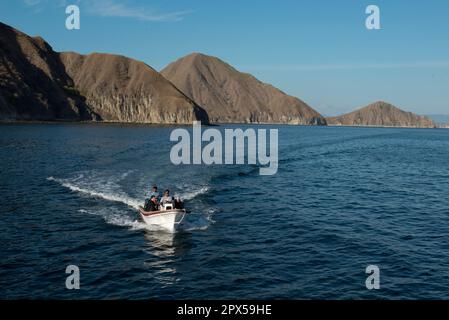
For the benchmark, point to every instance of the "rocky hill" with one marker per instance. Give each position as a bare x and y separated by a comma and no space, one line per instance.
33,81
382,114
230,96
37,83
121,89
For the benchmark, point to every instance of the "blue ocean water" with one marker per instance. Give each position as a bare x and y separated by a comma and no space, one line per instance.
343,199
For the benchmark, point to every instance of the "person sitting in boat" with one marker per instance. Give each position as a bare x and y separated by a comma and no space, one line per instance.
155,193
166,198
151,204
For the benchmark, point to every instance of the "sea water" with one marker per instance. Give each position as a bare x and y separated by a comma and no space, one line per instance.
342,199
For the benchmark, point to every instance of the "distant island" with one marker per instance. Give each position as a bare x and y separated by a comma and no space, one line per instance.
39,84
382,114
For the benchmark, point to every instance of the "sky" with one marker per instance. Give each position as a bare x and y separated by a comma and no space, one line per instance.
317,50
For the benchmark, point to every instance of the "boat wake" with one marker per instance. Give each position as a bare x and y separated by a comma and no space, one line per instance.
193,194
106,195
116,217
110,188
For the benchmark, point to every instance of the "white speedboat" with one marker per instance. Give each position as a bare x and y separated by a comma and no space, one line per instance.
167,217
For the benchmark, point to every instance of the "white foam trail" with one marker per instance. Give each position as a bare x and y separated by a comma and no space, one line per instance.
114,217
116,196
117,218
107,196
196,228
106,188
192,194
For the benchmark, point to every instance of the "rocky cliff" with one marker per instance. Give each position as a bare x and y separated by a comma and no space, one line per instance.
37,83
33,81
121,89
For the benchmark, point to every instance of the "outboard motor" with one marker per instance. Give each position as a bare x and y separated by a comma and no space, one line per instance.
178,203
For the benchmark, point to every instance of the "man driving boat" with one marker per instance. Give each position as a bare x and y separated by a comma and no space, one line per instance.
166,198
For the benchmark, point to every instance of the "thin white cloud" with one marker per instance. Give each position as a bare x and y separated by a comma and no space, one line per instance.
415,65
111,8
114,8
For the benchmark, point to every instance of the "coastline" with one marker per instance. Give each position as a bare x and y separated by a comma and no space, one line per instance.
124,123
384,127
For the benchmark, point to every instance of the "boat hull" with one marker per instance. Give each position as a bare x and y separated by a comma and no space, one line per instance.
169,220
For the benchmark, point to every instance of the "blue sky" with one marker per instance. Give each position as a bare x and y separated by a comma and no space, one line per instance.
319,51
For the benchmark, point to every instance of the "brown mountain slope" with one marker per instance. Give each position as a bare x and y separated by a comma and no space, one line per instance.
33,82
37,83
230,96
121,89
382,114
